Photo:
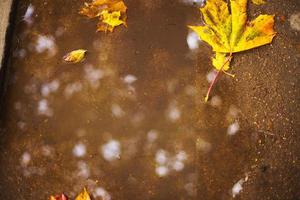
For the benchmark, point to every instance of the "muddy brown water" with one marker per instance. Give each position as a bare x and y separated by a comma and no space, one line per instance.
127,123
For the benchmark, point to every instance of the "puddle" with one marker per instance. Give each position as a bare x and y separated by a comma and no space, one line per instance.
129,122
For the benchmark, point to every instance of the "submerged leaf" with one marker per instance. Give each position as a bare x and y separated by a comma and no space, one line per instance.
228,32
111,13
75,56
111,20
84,195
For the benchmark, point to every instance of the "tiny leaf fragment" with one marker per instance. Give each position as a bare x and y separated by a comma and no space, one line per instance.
59,197
84,195
75,56
258,2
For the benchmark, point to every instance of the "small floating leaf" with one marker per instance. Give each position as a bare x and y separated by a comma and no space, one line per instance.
84,195
75,56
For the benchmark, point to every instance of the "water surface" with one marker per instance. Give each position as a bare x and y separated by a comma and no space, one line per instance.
129,122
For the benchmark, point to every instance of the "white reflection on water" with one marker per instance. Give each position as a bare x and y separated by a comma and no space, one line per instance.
46,44
102,193
28,17
25,159
44,109
181,156
111,150
233,128
83,170
161,157
28,170
193,40
79,150
93,75
196,2
117,111
48,88
238,186
178,165
165,163
162,171
216,101
152,135
72,88
173,112
129,79
211,75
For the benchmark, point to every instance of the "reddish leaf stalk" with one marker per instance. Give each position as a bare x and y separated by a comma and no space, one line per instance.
216,77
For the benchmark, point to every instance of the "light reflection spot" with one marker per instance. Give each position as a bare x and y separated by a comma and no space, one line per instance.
46,44
25,159
79,150
237,188
233,128
101,192
43,108
193,40
117,111
152,135
28,17
129,79
111,150
161,157
83,170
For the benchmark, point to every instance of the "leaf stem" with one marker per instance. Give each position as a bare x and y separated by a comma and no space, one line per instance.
216,77
229,74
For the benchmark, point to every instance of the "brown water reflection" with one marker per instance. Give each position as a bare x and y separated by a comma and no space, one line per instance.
129,122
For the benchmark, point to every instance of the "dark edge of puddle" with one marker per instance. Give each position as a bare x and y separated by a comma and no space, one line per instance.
11,5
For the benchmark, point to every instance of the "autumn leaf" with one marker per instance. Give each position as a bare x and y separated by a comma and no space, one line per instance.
111,13
75,56
227,31
60,197
84,195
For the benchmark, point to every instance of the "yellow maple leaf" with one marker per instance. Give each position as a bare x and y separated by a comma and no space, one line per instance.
75,56
84,195
227,31
111,13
